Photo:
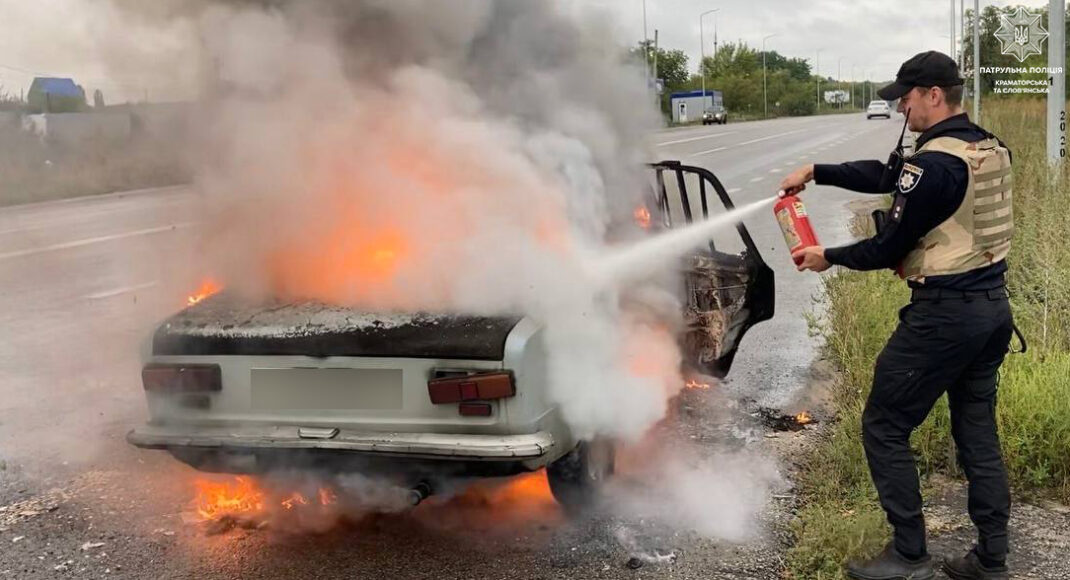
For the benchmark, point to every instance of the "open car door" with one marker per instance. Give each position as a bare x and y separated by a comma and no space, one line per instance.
728,287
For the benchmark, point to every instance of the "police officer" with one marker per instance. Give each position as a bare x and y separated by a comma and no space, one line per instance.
947,234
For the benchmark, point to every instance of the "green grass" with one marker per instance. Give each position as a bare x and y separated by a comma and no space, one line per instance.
33,171
841,518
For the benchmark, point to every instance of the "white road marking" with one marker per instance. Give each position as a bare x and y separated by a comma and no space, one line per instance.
756,179
97,240
118,291
734,190
708,151
776,170
758,140
691,139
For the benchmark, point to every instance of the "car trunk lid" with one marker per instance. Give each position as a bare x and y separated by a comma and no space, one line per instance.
225,325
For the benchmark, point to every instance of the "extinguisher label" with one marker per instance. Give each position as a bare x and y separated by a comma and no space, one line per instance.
788,227
800,209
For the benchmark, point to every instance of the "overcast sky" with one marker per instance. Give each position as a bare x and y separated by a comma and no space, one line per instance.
856,37
875,36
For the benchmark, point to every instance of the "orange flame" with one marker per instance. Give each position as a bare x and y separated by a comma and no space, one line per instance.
206,289
803,418
242,497
294,499
326,266
693,384
530,489
642,217
327,497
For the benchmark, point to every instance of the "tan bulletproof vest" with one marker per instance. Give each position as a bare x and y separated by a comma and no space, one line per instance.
979,232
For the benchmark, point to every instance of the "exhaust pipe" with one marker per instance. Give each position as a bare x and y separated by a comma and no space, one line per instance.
419,493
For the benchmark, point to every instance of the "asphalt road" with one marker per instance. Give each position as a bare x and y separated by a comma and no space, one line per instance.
750,159
81,283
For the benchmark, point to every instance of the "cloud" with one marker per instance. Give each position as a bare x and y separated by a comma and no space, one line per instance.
873,35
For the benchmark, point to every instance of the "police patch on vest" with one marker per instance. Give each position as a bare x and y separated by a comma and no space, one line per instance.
909,177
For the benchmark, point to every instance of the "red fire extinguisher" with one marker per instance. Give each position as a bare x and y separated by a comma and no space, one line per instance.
798,233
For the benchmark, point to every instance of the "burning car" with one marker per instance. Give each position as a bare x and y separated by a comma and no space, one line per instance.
240,388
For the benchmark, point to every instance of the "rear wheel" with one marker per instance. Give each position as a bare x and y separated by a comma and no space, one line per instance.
577,478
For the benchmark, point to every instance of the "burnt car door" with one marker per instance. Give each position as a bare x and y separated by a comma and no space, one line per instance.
727,286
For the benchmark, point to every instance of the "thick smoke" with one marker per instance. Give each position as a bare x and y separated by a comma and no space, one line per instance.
470,157
465,157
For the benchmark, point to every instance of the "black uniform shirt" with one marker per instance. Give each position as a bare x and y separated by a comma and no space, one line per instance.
935,197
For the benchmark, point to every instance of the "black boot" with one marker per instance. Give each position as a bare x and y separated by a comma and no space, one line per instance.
969,567
890,565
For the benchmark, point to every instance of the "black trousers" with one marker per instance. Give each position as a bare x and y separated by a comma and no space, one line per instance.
954,344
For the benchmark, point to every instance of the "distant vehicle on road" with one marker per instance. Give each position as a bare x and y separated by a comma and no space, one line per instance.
716,114
688,106
879,109
240,387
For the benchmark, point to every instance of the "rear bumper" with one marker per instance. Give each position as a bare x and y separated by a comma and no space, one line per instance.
525,447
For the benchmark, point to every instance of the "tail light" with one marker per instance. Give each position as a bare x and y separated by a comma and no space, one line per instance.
182,378
474,409
471,387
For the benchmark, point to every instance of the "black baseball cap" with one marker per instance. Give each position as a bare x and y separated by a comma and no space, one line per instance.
926,69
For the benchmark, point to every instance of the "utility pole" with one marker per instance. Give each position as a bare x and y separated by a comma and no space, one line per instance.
702,52
853,77
646,52
951,23
1056,82
817,66
962,32
657,97
977,61
765,84
839,79
715,36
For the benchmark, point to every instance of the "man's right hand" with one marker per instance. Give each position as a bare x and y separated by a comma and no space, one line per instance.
796,181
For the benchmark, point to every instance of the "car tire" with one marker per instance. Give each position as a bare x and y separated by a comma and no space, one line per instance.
576,478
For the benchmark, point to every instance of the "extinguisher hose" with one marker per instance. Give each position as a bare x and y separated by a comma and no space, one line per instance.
1021,339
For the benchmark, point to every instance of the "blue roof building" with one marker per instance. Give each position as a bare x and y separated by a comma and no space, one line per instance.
55,95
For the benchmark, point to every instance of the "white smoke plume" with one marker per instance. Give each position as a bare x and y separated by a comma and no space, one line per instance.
464,157
454,156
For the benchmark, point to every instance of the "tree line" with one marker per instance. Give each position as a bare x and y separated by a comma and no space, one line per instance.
793,88
789,87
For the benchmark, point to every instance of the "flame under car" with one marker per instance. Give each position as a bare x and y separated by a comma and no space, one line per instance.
241,388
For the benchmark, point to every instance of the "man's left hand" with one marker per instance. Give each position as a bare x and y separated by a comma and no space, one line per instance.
813,258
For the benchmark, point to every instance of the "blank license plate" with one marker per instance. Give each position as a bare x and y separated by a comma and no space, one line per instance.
326,389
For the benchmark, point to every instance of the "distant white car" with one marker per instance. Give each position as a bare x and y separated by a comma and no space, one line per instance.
879,109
